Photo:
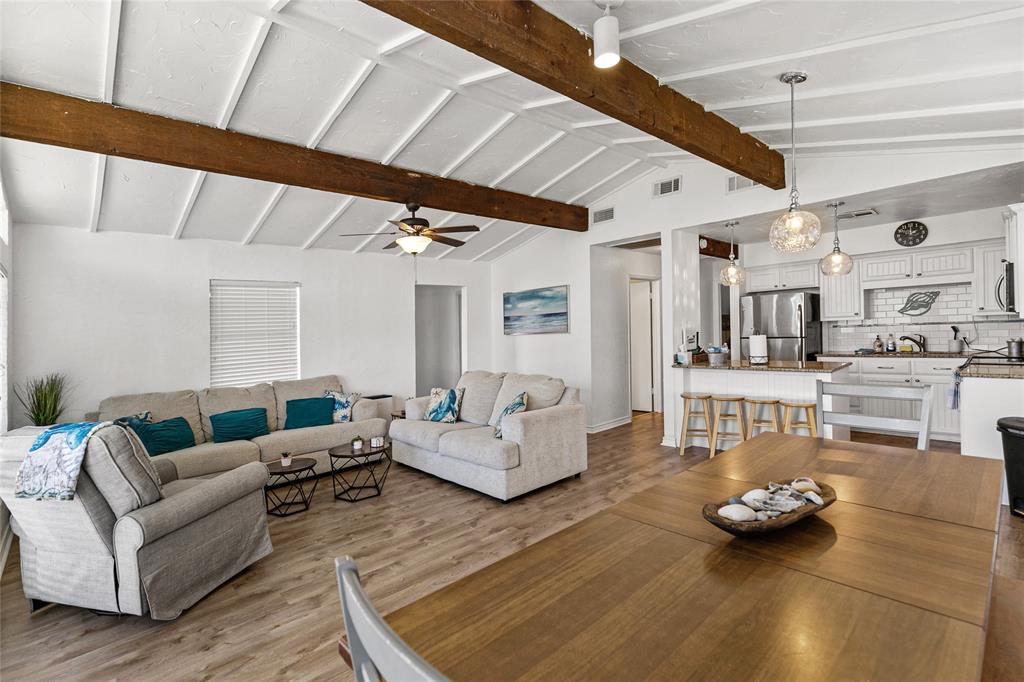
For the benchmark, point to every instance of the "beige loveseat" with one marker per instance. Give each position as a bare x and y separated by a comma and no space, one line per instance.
544,444
207,458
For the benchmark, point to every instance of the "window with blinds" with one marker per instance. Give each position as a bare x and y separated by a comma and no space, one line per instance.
254,332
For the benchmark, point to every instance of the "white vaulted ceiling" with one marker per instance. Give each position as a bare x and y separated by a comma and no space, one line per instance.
340,76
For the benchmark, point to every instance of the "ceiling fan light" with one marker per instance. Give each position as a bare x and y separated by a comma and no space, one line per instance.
413,244
606,42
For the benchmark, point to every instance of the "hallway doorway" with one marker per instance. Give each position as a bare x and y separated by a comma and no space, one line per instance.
645,345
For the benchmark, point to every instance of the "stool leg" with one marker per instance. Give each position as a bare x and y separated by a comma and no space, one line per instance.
686,426
744,431
713,446
775,417
787,423
812,422
751,416
706,406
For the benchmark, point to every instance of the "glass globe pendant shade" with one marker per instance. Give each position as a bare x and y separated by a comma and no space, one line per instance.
732,275
795,231
413,244
836,264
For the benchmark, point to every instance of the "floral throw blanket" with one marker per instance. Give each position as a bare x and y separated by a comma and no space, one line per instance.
50,470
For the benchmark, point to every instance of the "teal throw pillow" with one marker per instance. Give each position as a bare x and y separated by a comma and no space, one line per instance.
239,424
343,403
305,412
444,405
166,436
518,404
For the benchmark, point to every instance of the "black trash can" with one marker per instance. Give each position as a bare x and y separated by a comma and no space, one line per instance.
1012,429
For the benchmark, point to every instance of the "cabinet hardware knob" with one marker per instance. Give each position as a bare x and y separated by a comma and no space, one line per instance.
981,307
919,274
917,381
907,380
907,275
884,367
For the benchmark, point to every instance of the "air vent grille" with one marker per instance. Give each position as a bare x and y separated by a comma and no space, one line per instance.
738,183
859,213
663,187
603,215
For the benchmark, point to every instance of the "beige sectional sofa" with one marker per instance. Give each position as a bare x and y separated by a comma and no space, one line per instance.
207,458
544,444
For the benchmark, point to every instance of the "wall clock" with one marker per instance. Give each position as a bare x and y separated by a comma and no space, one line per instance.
911,233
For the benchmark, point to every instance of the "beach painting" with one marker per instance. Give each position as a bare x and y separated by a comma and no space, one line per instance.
537,311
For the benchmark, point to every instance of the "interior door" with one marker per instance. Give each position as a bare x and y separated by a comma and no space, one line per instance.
641,346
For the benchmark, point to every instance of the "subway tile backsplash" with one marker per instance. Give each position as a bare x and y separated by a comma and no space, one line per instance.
953,305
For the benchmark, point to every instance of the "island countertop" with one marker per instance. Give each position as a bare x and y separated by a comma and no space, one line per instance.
774,366
911,354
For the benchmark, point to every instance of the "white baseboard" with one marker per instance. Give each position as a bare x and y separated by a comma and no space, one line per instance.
5,547
669,442
611,424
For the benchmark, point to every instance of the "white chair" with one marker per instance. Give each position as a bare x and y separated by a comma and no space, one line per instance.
918,426
375,648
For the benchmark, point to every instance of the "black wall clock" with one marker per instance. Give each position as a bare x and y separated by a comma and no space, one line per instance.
911,233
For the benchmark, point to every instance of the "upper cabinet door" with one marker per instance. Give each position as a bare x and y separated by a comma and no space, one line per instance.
798,276
947,263
763,279
887,267
842,298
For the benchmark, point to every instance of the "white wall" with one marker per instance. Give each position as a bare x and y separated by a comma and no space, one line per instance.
610,272
122,313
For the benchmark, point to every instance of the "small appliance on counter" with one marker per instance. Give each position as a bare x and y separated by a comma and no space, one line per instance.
757,346
1015,350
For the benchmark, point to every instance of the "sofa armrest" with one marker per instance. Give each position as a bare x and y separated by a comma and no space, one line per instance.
165,469
145,525
549,437
415,407
365,409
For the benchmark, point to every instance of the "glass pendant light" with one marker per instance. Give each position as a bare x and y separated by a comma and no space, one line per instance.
836,263
732,275
795,230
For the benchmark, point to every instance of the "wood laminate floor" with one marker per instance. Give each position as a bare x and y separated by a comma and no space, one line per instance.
280,619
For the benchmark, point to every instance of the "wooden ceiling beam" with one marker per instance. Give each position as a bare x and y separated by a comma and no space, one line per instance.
50,118
523,38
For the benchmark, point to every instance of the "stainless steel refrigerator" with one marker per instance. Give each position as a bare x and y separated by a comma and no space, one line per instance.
790,321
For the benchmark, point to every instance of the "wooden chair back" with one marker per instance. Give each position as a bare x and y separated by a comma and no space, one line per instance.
919,427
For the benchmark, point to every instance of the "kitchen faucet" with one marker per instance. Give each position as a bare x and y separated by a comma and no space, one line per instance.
916,339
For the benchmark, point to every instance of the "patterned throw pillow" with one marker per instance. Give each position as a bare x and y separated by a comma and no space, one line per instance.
518,404
132,420
343,403
444,405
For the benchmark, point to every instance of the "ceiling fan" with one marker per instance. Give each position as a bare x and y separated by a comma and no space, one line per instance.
417,232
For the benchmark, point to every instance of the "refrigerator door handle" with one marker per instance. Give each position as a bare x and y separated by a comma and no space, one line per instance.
802,329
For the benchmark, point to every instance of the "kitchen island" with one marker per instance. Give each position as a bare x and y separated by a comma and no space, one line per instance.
987,394
781,379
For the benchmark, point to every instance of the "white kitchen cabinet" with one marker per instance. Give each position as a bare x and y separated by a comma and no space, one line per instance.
799,276
887,407
987,274
944,421
842,298
886,267
763,279
949,264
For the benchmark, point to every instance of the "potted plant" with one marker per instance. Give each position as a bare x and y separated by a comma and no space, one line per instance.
286,459
43,398
357,443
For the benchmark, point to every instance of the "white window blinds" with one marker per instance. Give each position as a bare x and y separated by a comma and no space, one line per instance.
254,332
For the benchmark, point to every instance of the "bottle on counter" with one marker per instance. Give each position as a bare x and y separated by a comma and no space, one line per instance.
877,345
890,344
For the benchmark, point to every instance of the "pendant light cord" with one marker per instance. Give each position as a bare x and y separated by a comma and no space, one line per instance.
794,194
835,224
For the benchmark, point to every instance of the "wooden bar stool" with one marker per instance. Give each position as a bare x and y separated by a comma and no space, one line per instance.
704,412
721,404
790,409
755,422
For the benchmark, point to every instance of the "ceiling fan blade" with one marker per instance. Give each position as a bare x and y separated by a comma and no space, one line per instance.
445,240
403,227
446,230
391,245
366,234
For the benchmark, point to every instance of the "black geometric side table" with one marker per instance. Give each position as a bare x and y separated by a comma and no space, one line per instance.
287,492
359,474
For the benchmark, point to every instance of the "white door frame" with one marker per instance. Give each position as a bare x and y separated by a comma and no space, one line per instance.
657,371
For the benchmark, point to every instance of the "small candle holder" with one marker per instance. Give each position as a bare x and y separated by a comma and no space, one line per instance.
377,441
357,443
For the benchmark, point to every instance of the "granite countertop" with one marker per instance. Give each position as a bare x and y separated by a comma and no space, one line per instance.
914,354
1007,371
775,366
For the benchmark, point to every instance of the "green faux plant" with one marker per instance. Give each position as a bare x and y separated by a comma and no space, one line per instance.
43,398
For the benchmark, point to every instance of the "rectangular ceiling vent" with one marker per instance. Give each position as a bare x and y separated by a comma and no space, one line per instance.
663,187
603,215
738,183
859,213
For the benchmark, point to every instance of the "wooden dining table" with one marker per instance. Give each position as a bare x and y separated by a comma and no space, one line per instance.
891,582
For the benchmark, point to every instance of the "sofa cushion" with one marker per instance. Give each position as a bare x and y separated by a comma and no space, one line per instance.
230,398
315,387
161,406
479,446
424,434
306,412
166,436
541,391
311,439
212,458
119,466
481,392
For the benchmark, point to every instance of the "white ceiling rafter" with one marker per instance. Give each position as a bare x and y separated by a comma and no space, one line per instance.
402,42
635,140
482,227
936,137
715,10
990,107
333,218
264,214
504,241
568,171
604,180
810,93
595,123
867,41
476,146
544,146
546,102
484,76
190,201
109,72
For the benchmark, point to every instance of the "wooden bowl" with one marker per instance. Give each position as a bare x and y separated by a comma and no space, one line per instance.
749,528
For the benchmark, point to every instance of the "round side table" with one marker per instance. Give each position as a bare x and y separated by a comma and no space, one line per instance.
359,474
288,491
